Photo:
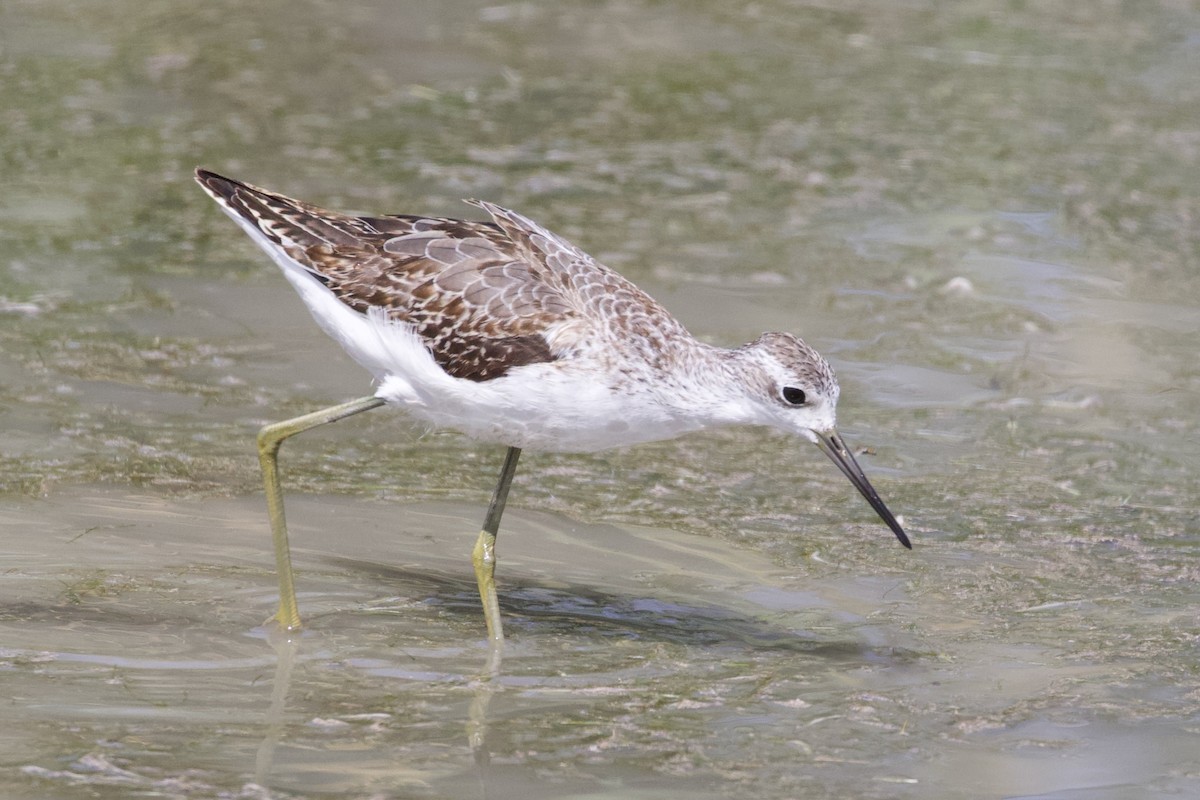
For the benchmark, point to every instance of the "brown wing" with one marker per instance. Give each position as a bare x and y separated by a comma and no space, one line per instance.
618,313
479,301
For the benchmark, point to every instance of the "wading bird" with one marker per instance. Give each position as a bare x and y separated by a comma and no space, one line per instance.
511,334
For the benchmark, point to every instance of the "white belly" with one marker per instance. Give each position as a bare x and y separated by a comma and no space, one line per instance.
540,407
548,406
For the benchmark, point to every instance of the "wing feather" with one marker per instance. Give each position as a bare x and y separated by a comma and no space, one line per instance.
481,307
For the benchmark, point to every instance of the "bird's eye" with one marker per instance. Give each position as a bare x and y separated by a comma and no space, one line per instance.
794,396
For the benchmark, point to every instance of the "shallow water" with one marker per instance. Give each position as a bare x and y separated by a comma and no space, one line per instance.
985,215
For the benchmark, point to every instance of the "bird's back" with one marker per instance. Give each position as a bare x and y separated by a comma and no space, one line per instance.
484,297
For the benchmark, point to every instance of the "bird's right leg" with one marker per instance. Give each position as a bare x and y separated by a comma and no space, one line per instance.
269,440
484,559
484,554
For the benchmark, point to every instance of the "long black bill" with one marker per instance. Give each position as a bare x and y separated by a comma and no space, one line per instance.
832,445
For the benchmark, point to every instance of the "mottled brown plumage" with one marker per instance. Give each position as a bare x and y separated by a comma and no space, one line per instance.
481,295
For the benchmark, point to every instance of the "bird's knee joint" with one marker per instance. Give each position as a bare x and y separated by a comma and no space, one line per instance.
484,554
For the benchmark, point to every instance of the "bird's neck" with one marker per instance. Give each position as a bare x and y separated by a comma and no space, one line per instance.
711,385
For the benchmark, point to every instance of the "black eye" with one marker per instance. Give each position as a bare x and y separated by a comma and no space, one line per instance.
793,395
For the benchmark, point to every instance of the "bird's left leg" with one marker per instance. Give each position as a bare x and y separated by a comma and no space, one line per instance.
269,440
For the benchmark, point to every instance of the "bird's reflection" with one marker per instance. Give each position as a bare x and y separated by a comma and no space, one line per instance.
586,614
287,646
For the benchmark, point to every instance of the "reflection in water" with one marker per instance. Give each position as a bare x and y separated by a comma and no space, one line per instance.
483,687
285,644
288,644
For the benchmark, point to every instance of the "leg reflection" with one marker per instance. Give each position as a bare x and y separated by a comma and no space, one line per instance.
477,721
285,647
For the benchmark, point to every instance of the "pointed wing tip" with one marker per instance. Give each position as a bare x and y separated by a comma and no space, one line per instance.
205,176
218,186
490,208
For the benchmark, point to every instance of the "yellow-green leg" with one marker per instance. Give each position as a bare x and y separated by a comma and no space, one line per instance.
269,440
484,554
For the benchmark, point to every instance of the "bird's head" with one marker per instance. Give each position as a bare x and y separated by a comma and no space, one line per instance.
794,390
